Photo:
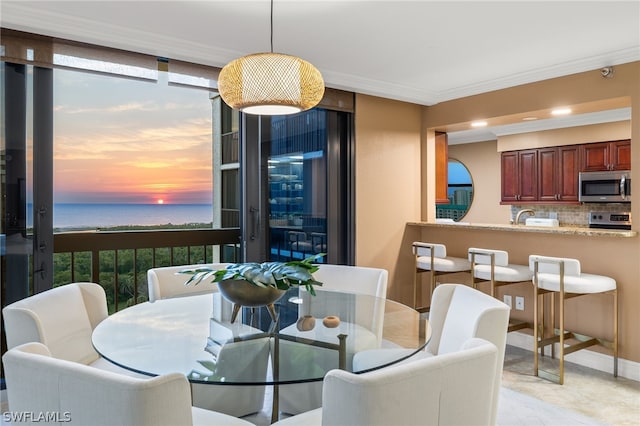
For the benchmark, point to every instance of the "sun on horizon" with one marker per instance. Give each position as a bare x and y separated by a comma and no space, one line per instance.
161,201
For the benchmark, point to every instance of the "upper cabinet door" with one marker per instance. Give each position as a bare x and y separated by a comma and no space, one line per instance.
510,181
621,155
519,176
567,176
528,175
548,168
595,157
602,156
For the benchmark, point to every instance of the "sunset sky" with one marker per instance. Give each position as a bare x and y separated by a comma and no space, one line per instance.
125,141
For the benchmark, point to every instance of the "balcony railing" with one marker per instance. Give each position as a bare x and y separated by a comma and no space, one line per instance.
119,260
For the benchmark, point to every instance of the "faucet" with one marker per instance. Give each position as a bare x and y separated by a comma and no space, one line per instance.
521,212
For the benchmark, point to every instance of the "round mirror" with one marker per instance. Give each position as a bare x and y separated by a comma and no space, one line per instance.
459,192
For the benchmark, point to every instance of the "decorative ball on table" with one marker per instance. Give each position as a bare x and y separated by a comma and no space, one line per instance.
331,321
306,323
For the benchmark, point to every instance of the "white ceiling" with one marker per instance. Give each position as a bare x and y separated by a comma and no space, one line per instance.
423,52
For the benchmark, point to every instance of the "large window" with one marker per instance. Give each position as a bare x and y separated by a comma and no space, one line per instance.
96,138
130,152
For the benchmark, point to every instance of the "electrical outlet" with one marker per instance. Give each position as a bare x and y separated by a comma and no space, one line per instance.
507,301
519,303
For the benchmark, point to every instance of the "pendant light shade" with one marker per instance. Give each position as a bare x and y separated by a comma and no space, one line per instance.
270,84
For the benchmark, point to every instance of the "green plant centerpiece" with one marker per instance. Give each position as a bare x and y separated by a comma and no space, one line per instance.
255,284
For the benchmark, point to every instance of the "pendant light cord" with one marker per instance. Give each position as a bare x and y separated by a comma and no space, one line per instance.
271,26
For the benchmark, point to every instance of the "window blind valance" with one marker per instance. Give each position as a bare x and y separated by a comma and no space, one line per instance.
190,74
51,52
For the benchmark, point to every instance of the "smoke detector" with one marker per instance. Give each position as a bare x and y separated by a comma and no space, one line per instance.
606,72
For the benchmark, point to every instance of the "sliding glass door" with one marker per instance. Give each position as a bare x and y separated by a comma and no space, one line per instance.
297,186
26,144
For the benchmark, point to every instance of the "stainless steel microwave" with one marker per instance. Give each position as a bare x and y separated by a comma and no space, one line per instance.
605,187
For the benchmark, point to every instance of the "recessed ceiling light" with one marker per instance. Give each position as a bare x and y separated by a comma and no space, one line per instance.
561,111
529,118
478,123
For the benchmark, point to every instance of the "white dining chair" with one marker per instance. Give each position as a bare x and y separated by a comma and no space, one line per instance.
347,283
458,313
62,318
455,388
77,394
166,282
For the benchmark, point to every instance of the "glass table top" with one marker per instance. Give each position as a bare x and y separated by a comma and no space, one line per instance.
312,335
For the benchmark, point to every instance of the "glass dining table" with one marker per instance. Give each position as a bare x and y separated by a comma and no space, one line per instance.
310,335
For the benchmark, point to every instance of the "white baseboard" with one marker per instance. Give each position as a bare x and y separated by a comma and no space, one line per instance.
596,360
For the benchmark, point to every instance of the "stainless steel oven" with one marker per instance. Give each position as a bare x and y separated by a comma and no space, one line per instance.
610,220
605,187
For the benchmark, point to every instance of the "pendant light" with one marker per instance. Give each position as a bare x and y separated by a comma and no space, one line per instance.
270,83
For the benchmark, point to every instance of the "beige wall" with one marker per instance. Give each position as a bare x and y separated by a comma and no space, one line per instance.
393,178
483,161
388,172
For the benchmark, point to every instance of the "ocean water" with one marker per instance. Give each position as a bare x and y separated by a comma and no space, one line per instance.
91,216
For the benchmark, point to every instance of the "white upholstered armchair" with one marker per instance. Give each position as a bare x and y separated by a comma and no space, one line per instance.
458,313
365,328
166,282
452,389
78,394
63,319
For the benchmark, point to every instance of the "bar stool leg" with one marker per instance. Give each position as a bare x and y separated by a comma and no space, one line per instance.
416,290
561,301
432,283
536,328
615,333
552,323
540,321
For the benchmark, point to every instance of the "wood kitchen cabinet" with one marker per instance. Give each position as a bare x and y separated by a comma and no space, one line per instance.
442,169
550,175
519,176
602,156
558,173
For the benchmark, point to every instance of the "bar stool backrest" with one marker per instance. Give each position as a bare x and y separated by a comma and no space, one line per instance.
439,250
551,265
501,257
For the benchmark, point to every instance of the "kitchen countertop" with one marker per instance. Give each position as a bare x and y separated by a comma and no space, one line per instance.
566,230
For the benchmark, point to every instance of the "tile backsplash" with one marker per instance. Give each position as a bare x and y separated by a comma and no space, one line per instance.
570,215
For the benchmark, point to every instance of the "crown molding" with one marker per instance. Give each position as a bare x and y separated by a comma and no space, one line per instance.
29,19
544,73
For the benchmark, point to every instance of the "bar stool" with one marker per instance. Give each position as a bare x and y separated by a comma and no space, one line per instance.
493,266
563,276
433,258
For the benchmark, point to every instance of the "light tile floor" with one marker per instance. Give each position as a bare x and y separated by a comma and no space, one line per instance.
592,393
